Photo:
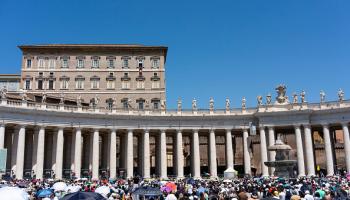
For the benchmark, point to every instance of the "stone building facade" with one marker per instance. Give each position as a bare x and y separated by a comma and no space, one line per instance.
118,76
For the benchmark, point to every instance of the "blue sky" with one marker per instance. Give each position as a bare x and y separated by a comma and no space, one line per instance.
217,49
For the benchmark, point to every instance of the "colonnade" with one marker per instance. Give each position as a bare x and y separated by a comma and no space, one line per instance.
303,138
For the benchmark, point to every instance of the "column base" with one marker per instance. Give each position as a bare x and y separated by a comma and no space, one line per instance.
180,177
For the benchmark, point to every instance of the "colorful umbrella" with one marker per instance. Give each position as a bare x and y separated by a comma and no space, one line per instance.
44,193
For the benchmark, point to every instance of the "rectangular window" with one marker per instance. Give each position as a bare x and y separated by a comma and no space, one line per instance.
155,63
155,84
110,84
27,85
125,104
51,82
140,84
29,63
80,63
141,105
41,63
79,84
156,105
110,105
95,83
125,63
64,84
64,63
125,84
95,63
140,63
52,64
40,84
111,63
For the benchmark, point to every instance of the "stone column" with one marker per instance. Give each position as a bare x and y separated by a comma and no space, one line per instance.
14,149
77,153
196,156
130,154
346,145
272,154
20,152
95,153
229,150
40,153
263,151
113,154
59,153
163,156
146,155
310,165
300,152
247,165
212,154
179,155
2,136
328,150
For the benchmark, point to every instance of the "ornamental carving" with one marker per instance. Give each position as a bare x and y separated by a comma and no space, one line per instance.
281,94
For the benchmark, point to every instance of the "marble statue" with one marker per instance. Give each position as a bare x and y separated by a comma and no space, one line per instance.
302,96
281,94
3,93
146,104
24,96
194,104
244,103
61,98
96,100
129,104
211,104
179,104
295,98
322,96
163,104
340,95
259,99
43,99
268,99
114,102
227,104
79,100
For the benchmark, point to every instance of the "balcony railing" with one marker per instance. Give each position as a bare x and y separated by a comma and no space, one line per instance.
175,112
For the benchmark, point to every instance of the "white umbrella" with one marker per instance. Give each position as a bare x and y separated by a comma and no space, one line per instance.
103,190
73,188
59,186
13,193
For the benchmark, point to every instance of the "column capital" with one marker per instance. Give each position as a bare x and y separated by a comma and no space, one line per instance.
270,127
112,130
262,127
195,130
77,128
307,126
228,130
297,126
179,130
96,129
325,125
162,130
212,130
130,130
57,128
18,126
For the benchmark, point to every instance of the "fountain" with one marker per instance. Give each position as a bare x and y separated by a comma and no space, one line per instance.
282,164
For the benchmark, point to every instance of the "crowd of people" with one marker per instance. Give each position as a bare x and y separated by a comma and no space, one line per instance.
336,187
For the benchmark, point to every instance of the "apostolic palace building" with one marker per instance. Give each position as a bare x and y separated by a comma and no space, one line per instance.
100,110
